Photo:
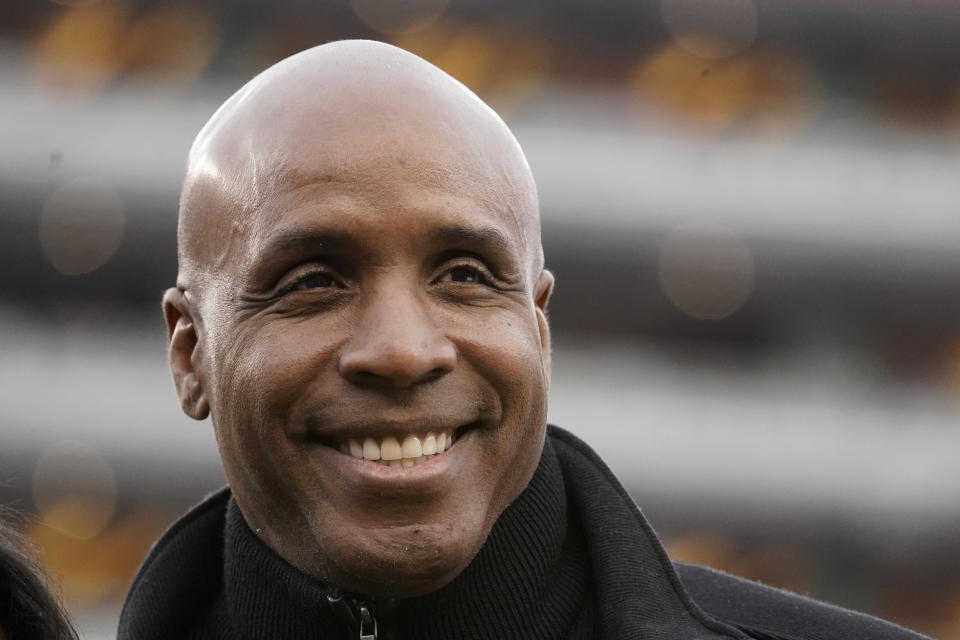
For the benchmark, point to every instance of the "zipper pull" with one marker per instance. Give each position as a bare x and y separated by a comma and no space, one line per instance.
353,613
368,624
343,612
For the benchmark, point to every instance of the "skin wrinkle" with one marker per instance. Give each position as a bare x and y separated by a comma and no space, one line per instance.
210,153
366,140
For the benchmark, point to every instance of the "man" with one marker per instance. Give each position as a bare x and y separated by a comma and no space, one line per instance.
361,309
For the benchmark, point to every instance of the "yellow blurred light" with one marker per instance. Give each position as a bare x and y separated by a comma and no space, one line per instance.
75,517
715,95
97,571
398,16
950,626
471,57
74,490
523,70
172,44
82,226
706,270
951,364
706,548
428,43
784,564
787,94
711,28
75,3
78,51
773,91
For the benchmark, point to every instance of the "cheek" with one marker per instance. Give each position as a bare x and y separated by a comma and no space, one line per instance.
506,354
509,352
270,366
510,359
262,374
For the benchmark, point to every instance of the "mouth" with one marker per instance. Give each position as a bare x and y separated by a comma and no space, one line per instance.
399,451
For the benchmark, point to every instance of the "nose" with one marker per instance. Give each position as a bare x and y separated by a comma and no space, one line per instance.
396,343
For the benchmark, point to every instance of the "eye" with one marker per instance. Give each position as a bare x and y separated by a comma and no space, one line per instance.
309,280
316,280
466,274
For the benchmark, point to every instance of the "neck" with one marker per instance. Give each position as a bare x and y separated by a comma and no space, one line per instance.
531,573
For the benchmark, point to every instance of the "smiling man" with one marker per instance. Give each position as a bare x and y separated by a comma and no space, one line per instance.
361,310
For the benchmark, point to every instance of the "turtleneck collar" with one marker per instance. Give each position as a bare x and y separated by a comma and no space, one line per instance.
531,579
571,558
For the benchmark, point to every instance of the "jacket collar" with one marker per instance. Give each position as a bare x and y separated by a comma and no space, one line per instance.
638,591
577,553
529,578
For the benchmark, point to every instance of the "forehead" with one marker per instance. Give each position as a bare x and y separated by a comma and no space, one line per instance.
376,181
355,211
397,150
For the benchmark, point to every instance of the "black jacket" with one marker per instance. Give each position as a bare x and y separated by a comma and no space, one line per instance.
572,557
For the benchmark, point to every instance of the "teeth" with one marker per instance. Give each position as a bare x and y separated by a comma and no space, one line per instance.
356,449
411,447
429,445
390,449
371,450
390,452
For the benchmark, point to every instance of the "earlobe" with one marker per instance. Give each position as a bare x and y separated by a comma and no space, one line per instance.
183,351
542,293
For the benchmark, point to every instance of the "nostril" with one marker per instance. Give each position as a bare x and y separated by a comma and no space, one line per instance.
381,368
434,374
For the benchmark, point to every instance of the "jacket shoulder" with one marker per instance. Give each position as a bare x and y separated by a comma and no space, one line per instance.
773,614
180,576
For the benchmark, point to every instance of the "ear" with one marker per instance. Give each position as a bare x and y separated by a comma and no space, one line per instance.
541,296
184,354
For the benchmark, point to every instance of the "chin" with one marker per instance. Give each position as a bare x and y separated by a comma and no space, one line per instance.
407,562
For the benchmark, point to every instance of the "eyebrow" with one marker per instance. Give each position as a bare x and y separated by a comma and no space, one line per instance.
482,239
287,241
292,240
291,244
283,244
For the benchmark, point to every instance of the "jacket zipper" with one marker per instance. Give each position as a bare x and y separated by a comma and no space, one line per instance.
354,615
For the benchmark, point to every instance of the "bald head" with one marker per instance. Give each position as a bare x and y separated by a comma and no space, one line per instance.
327,115
359,260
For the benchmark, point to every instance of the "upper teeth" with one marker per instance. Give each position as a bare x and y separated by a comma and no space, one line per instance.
390,451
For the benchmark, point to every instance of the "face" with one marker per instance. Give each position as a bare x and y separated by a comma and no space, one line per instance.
375,358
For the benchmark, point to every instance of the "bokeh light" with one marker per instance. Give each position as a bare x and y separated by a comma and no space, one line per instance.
741,112
82,226
170,46
74,489
95,571
773,91
711,28
468,54
79,49
506,69
398,16
706,270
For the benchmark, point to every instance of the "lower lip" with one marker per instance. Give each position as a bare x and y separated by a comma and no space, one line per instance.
430,473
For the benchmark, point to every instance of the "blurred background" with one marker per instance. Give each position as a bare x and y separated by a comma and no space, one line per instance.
751,207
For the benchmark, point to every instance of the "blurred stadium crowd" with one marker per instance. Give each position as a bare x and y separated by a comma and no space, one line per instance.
750,206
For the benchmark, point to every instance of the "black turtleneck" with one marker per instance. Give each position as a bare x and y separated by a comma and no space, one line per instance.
531,579
572,557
